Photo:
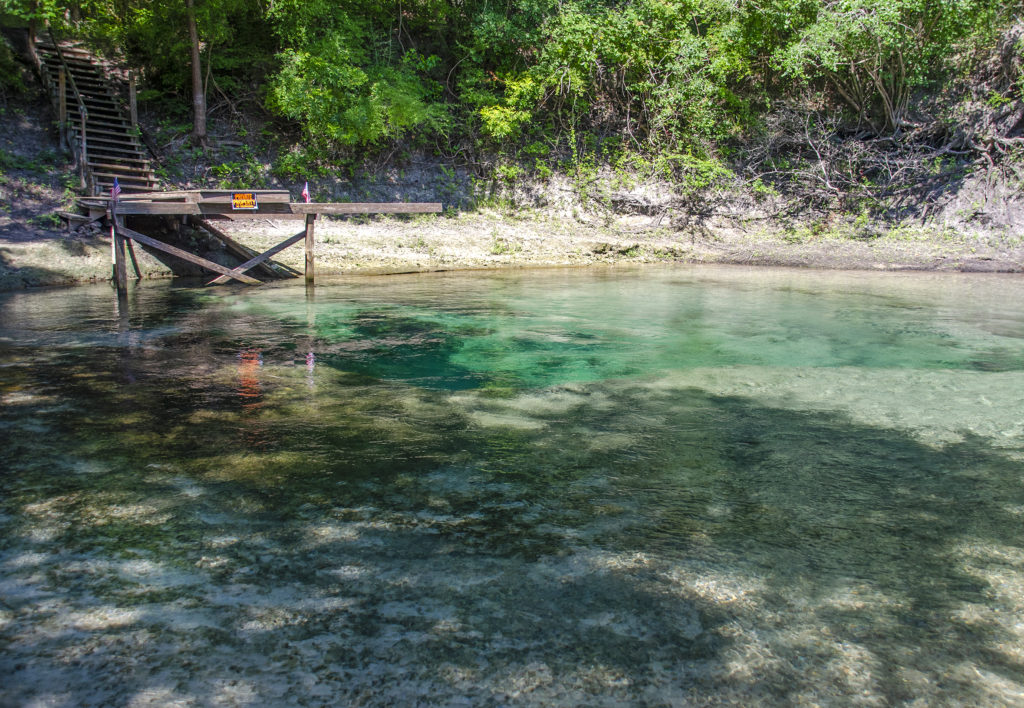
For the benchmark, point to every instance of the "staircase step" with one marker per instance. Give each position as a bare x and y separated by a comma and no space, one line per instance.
121,174
79,73
117,140
104,115
73,62
119,125
121,168
102,112
102,107
105,185
105,123
85,87
71,52
94,82
146,170
99,133
127,182
93,97
128,178
118,137
97,81
96,89
94,94
110,154
65,47
91,93
120,151
109,110
107,115
96,118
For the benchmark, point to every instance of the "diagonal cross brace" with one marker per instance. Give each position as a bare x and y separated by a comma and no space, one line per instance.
184,255
259,259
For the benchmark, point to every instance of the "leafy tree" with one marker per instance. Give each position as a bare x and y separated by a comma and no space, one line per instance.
875,53
33,13
191,46
346,80
657,72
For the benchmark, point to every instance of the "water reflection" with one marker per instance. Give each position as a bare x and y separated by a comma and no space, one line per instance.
552,488
249,390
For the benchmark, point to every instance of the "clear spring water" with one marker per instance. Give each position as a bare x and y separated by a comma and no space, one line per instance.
659,486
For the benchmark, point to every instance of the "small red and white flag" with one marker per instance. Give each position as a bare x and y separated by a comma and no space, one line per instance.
305,193
114,191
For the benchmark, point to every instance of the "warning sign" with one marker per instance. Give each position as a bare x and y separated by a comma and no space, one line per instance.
244,200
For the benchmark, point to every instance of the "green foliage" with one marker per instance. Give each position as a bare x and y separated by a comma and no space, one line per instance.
509,173
660,88
38,11
339,103
501,246
247,171
655,71
10,72
343,86
41,162
237,46
298,164
46,221
997,100
876,53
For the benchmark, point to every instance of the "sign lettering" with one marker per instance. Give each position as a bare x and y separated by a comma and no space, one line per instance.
244,200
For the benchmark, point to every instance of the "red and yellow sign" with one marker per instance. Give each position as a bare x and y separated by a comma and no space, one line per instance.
244,200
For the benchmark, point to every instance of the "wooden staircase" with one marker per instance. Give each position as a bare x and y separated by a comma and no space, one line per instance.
95,125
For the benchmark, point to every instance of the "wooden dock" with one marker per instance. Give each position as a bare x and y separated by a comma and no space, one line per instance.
202,207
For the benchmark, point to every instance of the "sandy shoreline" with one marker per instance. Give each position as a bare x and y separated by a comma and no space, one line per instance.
485,239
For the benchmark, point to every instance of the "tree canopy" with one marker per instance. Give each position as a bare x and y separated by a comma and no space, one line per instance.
659,76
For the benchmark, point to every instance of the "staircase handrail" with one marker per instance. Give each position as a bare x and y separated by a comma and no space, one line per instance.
80,150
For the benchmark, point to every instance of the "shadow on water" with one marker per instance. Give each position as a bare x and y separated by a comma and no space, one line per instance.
382,543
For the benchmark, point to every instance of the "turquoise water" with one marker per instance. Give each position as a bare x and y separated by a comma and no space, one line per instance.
642,486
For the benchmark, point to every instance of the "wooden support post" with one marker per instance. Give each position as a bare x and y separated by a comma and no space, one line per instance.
113,246
120,266
83,157
135,261
62,88
133,104
310,220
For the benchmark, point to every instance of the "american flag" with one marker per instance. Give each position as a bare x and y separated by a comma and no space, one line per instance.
305,193
114,191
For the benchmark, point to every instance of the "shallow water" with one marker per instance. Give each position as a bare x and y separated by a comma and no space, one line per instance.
643,486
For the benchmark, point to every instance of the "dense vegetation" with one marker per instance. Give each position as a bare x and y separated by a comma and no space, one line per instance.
834,94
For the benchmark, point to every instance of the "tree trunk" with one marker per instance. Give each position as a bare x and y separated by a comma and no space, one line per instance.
198,94
30,50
